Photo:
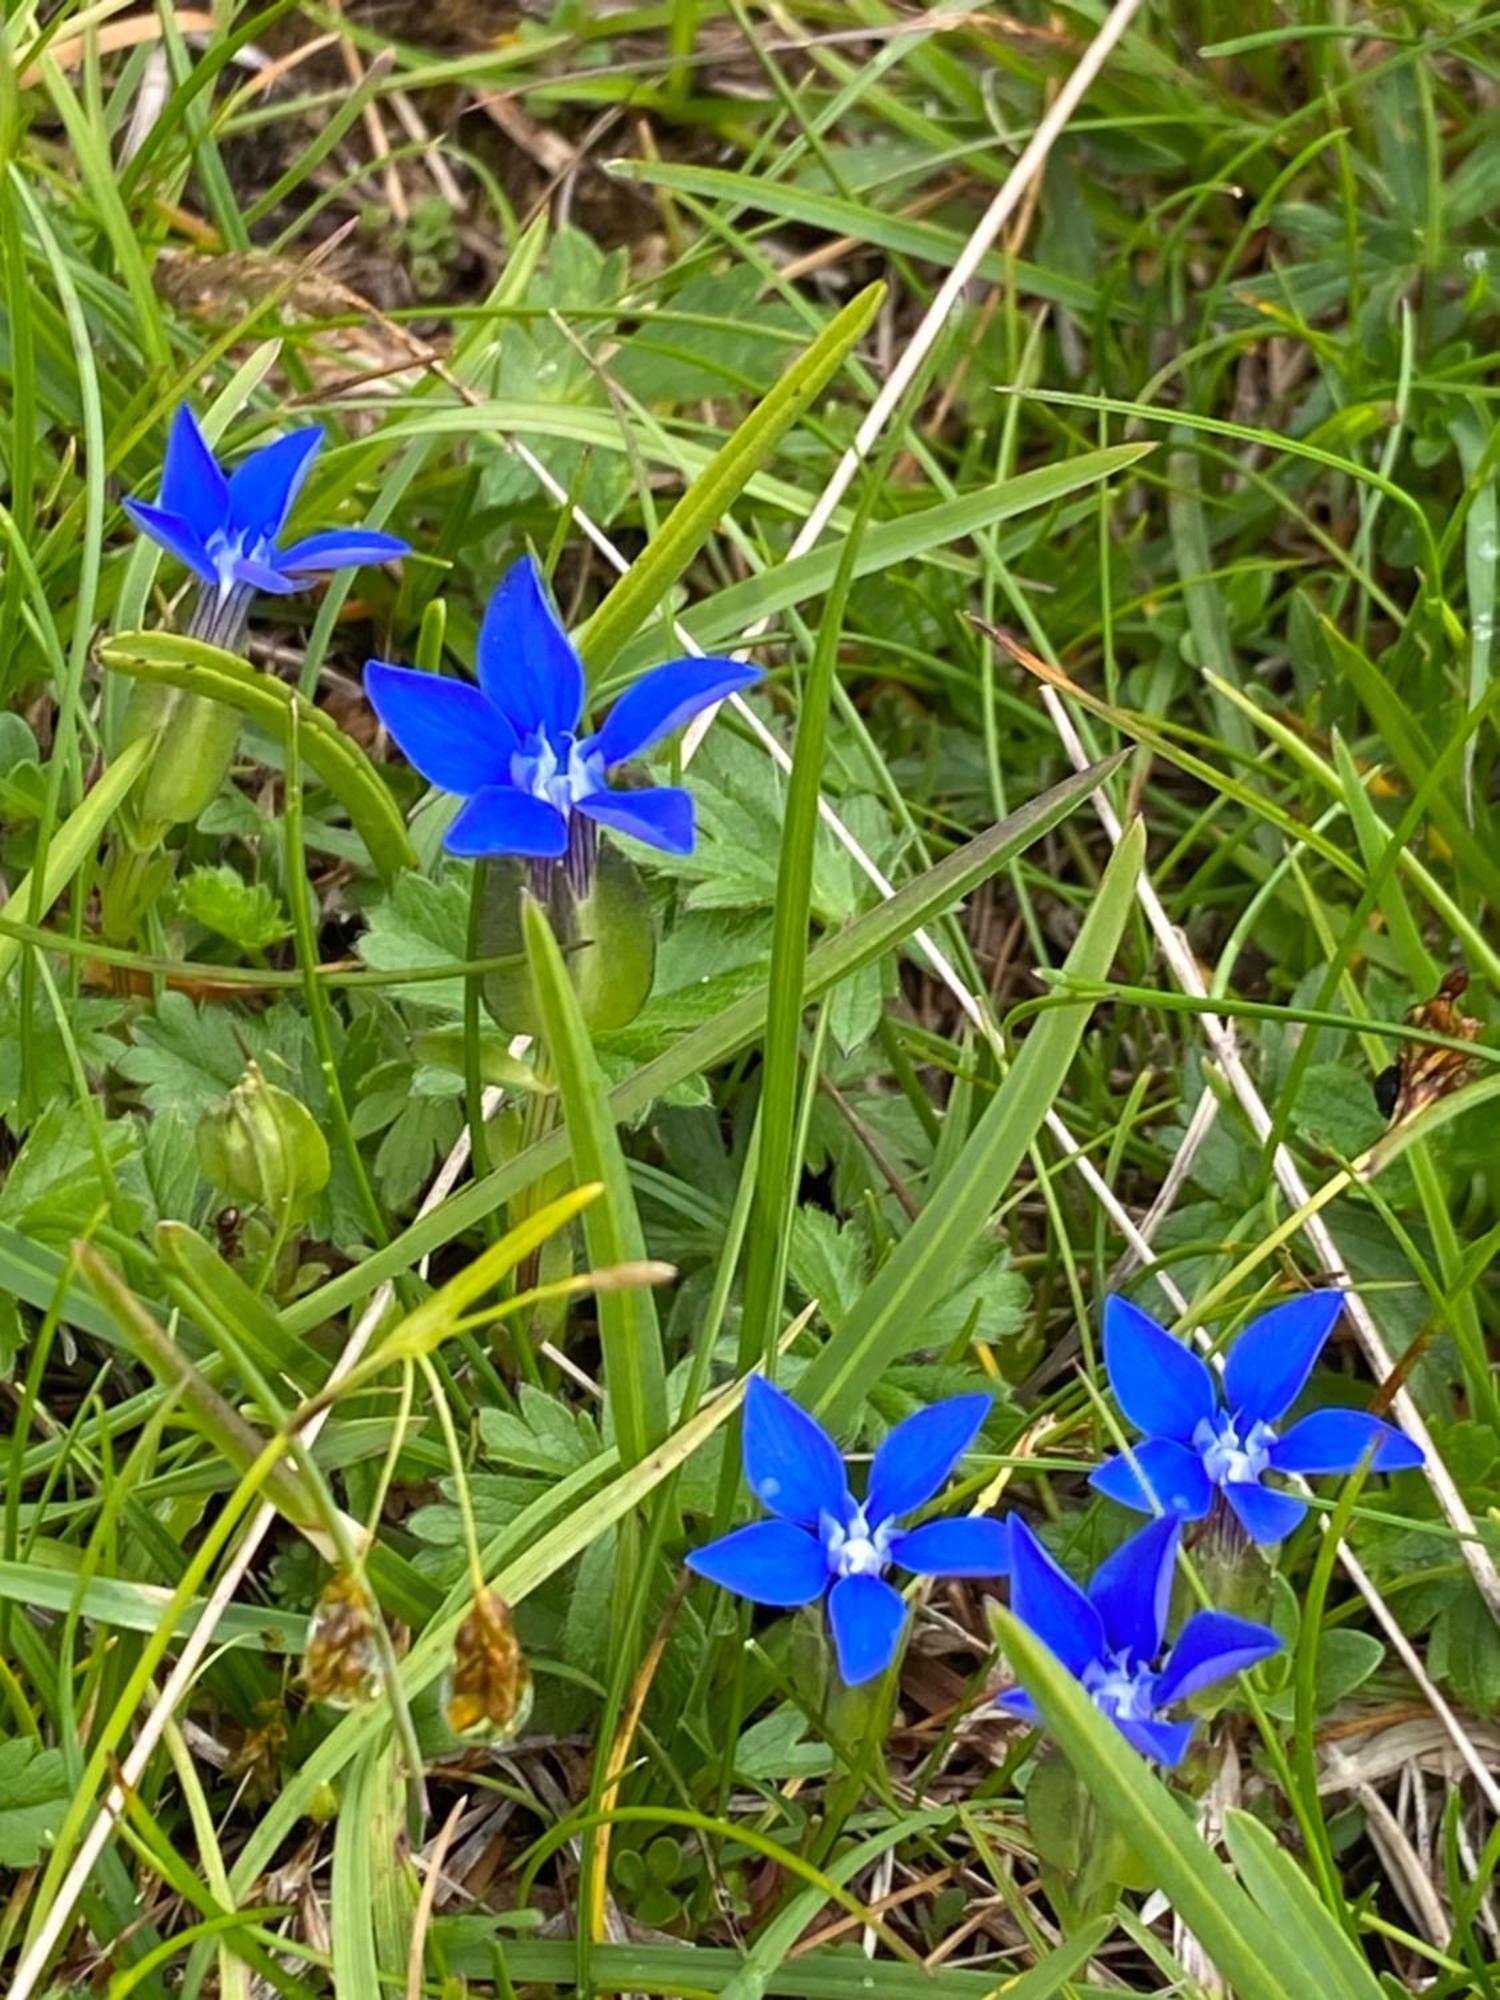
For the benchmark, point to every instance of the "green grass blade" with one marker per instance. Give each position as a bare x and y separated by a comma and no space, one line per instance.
885,1322
73,843
1332,1966
922,532
1200,1888
635,1375
645,584
868,938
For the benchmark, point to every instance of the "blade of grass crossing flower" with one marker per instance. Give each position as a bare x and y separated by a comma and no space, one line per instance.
869,937
645,584
635,1375
330,751
73,843
1256,1962
776,1176
885,1322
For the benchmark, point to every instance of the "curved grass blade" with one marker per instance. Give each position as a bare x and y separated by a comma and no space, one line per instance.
174,661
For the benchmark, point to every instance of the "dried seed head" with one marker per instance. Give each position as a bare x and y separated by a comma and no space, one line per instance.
488,1694
340,1665
1425,1073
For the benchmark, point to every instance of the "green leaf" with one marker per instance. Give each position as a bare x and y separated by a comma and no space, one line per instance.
34,1794
888,1320
868,938
247,913
635,1376
645,584
174,661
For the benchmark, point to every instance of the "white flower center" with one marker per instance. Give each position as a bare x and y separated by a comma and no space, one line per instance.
1227,1457
226,550
1121,1690
854,1547
558,773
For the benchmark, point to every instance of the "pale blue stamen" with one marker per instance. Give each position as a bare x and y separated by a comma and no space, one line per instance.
1229,1457
854,1547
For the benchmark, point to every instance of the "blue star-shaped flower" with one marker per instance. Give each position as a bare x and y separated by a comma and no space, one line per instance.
1197,1444
511,747
825,1540
225,529
1109,1637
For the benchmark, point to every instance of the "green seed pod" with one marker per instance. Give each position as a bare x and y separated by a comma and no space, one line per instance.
261,1148
196,739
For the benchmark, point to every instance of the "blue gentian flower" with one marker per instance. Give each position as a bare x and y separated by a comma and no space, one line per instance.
825,1540
1198,1444
1109,1637
511,748
225,529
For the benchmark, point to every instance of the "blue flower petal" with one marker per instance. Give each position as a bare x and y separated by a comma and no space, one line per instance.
661,815
1269,1364
914,1461
176,534
1162,1386
263,576
1017,1702
1050,1604
770,1562
1132,1590
663,700
1211,1647
192,486
501,820
1175,1481
526,665
264,485
867,1616
1337,1441
974,1546
1165,1743
446,728
792,1465
340,548
1265,1515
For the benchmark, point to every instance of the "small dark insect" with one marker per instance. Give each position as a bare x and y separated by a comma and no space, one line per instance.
1387,1088
1424,1072
227,1225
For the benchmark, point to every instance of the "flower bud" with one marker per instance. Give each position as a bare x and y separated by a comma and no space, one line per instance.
196,738
261,1147
488,1692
